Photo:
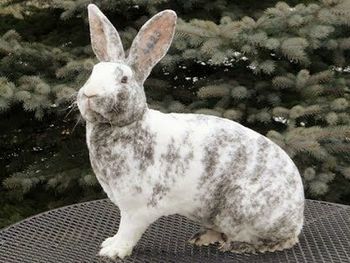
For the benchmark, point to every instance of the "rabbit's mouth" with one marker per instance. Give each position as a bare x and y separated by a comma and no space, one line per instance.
94,116
96,109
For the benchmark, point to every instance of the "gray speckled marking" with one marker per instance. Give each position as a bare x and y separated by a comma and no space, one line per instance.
104,163
138,189
143,143
172,153
159,191
175,161
263,148
224,208
109,165
219,178
122,101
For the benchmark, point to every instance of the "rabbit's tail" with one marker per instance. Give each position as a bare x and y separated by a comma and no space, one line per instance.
262,247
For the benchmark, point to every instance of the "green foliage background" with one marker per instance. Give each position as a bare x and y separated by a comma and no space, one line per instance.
278,68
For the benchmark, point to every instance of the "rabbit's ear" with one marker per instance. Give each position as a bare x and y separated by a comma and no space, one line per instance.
105,40
151,43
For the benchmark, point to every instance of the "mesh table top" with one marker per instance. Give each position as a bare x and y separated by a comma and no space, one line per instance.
74,234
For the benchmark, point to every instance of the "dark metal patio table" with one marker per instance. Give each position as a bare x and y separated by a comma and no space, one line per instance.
74,233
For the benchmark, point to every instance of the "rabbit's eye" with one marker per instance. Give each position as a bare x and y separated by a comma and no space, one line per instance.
124,79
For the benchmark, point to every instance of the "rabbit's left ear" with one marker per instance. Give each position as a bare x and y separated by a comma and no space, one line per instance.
105,40
151,43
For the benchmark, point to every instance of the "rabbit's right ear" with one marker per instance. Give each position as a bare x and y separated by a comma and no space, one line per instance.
151,43
105,40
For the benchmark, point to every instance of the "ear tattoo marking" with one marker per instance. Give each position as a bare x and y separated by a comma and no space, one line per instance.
154,38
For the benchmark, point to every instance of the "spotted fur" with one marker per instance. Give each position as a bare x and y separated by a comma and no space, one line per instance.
236,183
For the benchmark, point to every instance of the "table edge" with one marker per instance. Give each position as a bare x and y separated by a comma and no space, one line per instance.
345,207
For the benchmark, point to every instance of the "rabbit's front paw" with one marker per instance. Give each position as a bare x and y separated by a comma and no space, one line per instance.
108,241
114,249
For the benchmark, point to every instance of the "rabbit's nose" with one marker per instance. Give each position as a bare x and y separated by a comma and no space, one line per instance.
89,95
90,91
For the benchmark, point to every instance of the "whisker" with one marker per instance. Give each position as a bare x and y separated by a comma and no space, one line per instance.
79,119
73,104
114,100
70,111
74,94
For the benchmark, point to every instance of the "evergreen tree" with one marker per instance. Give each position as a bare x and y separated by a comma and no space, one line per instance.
280,69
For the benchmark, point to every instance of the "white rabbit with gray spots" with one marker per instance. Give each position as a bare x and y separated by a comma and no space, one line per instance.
242,188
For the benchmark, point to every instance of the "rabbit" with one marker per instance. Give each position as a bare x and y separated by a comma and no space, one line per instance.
242,188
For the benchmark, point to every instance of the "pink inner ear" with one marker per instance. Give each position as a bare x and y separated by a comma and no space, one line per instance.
98,38
105,40
152,42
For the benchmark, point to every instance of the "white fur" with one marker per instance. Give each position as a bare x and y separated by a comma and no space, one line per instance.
103,78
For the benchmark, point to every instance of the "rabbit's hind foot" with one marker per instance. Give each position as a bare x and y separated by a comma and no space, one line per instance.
205,237
277,246
238,247
262,246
